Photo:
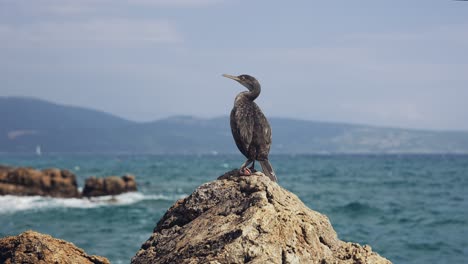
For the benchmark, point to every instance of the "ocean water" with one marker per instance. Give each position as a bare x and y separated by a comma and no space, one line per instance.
409,208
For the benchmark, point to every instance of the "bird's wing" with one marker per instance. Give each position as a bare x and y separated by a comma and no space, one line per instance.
263,134
266,131
242,125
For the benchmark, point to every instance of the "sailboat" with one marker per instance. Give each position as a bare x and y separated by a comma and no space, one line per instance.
38,150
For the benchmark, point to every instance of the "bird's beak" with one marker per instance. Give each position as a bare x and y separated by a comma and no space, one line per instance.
235,78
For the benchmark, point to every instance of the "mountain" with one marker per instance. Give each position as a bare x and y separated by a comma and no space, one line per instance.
26,123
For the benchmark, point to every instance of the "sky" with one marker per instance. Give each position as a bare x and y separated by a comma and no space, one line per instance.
392,63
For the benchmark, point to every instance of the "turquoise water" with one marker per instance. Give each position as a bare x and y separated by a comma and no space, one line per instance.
410,209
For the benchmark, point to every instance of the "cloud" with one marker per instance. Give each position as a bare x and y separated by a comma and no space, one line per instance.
73,7
447,33
88,23
431,54
92,33
403,111
176,3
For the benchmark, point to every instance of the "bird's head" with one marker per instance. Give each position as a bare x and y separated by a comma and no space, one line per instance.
246,80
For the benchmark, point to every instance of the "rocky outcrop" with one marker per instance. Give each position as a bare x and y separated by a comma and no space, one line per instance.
60,183
111,185
247,219
28,181
34,248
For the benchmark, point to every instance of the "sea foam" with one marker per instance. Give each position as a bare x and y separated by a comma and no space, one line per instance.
12,203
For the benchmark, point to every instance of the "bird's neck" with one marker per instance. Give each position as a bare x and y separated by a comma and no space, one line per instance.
254,93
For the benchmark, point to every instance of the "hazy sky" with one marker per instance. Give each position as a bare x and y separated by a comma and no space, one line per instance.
395,63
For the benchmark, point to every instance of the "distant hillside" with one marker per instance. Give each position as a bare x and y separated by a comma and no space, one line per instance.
26,123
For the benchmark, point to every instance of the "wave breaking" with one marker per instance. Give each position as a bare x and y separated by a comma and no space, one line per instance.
12,203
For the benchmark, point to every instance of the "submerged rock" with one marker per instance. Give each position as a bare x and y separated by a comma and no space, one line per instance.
35,248
247,219
111,185
29,181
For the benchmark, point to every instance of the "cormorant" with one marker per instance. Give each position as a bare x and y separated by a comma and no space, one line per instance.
250,128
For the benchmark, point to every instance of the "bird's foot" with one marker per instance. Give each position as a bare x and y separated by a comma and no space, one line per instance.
245,172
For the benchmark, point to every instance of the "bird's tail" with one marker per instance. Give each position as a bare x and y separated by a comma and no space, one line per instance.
268,170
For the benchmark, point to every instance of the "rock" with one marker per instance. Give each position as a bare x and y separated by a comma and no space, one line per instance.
4,172
60,183
35,248
247,219
111,185
28,181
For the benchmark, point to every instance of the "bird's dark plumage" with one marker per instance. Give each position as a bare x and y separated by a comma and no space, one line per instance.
249,126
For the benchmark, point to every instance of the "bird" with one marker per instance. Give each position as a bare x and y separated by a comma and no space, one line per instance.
250,127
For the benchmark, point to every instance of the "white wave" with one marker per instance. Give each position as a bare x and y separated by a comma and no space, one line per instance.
11,203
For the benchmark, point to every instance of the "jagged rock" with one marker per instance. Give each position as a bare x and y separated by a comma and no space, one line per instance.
111,185
28,181
35,248
247,219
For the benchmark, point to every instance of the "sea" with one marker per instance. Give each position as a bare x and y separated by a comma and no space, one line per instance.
409,208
